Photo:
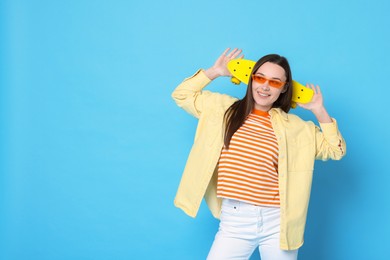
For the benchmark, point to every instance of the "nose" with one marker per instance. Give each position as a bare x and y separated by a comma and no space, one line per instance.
265,86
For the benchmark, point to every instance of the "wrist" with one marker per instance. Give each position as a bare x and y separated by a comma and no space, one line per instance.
212,73
319,110
322,115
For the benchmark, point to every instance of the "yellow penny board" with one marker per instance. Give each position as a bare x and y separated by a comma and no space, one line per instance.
242,70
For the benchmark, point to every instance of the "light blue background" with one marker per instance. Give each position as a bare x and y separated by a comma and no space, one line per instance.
93,146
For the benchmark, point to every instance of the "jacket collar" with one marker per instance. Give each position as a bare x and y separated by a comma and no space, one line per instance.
278,112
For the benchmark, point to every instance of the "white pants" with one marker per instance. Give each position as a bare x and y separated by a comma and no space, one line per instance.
244,227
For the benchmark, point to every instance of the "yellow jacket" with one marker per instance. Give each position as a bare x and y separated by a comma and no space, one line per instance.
300,143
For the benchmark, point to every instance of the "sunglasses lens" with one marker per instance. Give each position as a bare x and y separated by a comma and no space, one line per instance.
275,83
259,79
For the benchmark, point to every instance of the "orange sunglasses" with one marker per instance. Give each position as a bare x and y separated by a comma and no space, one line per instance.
272,82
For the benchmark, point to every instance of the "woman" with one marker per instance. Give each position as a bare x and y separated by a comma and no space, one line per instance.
252,161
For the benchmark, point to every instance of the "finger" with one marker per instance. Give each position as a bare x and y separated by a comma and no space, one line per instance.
313,88
225,52
232,53
238,52
318,89
241,57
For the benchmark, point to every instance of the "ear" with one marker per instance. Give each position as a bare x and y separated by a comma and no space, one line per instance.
285,88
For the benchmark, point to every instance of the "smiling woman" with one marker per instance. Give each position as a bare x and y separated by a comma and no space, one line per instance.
249,174
92,146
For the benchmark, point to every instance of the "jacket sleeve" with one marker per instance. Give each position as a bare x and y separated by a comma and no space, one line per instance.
329,142
189,95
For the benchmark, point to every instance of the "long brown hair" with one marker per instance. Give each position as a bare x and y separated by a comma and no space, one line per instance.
236,114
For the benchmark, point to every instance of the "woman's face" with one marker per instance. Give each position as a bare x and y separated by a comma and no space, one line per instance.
264,94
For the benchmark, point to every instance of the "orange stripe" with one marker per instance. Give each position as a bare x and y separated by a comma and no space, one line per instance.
269,143
265,121
227,155
230,185
254,125
255,131
257,197
262,165
241,177
250,196
261,168
259,122
256,139
254,166
262,149
250,151
226,168
273,146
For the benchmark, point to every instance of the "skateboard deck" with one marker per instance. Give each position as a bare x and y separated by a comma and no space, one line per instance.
241,71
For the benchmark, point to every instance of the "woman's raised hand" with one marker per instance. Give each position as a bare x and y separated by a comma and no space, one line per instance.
316,102
316,105
220,66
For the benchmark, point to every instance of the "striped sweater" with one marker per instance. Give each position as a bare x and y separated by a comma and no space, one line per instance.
248,170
